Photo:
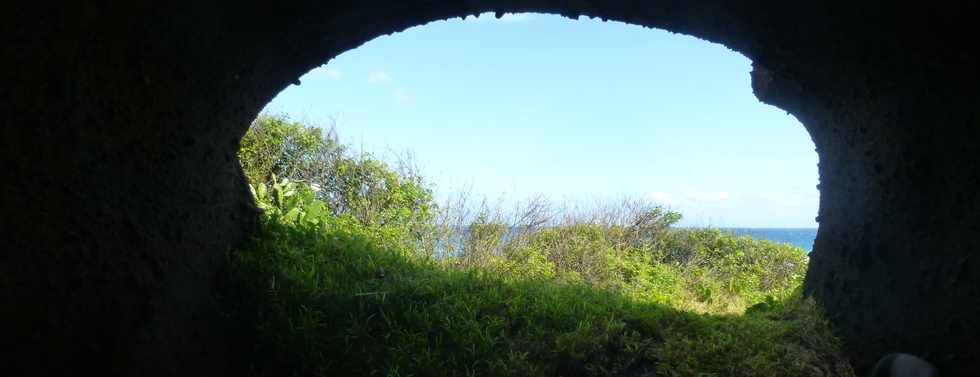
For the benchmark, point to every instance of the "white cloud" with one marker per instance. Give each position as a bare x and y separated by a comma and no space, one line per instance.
708,196
378,77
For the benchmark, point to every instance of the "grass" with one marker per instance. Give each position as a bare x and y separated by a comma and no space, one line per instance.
335,298
357,271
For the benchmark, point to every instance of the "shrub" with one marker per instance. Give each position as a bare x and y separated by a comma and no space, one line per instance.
733,271
357,271
329,296
360,186
276,145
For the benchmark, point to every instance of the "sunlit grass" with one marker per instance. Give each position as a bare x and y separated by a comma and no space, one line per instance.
357,271
334,299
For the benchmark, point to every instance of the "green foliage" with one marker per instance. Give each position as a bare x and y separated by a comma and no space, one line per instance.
357,271
289,202
359,186
275,145
332,297
483,241
733,271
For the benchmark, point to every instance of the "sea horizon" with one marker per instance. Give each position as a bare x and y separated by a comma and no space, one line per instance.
799,237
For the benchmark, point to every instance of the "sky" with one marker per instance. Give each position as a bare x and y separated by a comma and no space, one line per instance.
573,110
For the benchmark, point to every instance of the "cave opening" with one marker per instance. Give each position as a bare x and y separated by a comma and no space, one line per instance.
113,259
460,94
564,107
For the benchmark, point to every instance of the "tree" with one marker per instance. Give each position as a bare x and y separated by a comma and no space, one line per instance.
360,186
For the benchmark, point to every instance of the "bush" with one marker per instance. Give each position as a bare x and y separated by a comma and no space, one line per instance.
731,271
275,145
357,271
360,186
329,296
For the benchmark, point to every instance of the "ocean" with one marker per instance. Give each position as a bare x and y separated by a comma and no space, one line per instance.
801,237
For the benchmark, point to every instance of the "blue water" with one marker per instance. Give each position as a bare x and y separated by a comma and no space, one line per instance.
801,237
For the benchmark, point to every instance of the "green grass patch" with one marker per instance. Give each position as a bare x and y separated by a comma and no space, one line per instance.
335,298
357,271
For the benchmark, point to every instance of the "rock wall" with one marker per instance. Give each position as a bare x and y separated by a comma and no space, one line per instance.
121,192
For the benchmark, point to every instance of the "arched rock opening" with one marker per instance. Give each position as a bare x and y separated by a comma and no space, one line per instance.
122,190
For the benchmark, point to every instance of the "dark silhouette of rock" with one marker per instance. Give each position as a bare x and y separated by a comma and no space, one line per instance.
121,191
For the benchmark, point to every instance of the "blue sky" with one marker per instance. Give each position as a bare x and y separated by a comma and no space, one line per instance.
576,110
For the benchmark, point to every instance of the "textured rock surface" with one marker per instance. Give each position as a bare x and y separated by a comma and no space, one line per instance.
121,191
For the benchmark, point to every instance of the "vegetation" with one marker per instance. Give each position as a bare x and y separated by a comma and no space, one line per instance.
360,186
357,271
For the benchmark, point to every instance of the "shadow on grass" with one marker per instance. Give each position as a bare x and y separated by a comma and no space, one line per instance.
339,302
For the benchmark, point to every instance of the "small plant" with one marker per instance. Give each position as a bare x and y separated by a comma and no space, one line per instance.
288,201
